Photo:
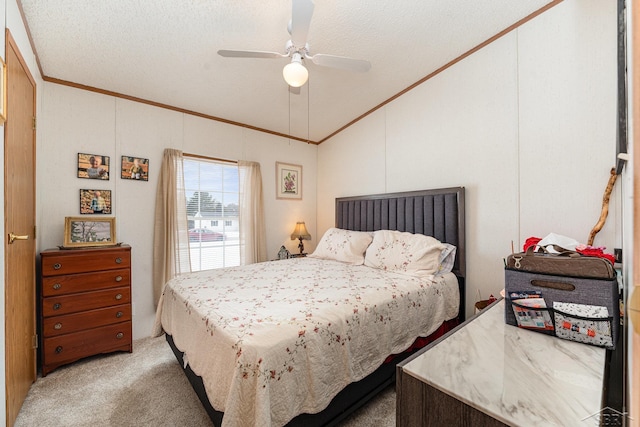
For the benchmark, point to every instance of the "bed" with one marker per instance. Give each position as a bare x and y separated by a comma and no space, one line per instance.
306,341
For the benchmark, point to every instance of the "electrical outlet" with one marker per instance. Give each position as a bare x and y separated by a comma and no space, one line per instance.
618,254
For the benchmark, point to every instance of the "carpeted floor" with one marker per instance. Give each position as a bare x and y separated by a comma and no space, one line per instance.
144,388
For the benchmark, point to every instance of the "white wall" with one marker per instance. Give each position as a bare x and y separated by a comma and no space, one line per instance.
79,121
526,124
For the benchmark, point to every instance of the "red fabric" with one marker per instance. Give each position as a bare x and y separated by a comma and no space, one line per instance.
531,241
423,341
581,249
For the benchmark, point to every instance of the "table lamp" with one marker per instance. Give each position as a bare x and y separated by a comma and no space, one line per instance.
300,233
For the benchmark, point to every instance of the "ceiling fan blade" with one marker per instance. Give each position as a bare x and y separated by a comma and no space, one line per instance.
300,21
344,63
249,54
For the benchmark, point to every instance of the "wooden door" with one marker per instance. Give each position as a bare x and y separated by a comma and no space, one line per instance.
19,191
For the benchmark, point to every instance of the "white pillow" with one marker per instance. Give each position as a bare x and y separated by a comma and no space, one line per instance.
447,259
343,245
413,254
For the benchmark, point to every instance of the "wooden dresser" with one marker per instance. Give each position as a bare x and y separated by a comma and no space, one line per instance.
85,304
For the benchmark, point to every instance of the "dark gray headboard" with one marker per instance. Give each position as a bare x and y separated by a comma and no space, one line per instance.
438,213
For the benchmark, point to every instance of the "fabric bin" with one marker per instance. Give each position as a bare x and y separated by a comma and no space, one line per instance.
565,289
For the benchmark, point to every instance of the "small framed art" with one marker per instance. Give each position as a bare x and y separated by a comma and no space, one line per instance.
288,181
84,231
95,202
93,166
135,168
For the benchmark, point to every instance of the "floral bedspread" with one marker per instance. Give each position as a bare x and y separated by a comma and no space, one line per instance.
276,339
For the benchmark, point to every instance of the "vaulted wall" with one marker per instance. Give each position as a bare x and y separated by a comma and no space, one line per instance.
527,124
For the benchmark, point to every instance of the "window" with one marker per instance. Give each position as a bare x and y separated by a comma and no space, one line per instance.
212,191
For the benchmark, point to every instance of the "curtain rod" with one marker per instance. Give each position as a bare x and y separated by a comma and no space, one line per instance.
198,156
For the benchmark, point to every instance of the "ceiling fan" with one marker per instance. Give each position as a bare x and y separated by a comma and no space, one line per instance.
295,73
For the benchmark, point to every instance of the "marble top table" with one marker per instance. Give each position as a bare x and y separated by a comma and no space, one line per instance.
516,376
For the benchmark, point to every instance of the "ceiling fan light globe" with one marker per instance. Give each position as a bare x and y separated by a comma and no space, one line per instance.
295,74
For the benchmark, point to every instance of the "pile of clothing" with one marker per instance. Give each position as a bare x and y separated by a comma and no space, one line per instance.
556,244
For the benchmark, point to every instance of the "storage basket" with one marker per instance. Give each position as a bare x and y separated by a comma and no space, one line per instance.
579,292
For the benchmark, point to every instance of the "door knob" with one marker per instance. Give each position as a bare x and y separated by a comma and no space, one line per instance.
13,237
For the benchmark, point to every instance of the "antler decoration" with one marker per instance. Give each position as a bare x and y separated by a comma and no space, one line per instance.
605,207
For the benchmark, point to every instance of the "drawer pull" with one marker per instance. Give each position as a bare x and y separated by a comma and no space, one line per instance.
120,335
57,326
57,306
57,266
118,278
118,260
57,286
119,296
119,314
59,349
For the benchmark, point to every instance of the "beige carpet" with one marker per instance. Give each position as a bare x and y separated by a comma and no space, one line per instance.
144,388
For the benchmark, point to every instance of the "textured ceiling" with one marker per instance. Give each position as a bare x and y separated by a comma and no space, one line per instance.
165,51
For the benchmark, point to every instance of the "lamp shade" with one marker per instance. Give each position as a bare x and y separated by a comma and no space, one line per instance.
300,232
294,73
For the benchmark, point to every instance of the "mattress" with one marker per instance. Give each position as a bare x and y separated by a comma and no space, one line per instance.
277,339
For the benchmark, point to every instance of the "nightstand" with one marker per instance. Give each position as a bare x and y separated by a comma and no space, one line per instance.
488,373
297,255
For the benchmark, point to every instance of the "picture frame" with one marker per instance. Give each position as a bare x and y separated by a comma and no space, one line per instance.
288,181
95,202
89,231
93,166
3,90
134,168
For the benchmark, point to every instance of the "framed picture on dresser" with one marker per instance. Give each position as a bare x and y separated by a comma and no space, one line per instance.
89,231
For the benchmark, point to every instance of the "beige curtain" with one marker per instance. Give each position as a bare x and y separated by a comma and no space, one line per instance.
253,242
171,237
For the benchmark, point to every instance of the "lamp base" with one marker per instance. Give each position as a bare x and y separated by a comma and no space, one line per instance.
301,245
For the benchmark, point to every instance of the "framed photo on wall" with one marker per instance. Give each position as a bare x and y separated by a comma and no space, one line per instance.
95,202
85,231
288,181
136,168
93,166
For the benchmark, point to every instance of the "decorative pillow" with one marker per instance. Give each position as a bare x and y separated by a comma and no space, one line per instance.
447,259
413,254
343,245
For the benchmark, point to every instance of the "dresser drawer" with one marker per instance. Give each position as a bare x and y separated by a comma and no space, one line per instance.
82,261
61,285
65,324
65,304
70,347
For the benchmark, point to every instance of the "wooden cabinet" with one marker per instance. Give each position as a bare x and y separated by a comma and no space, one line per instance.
85,304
